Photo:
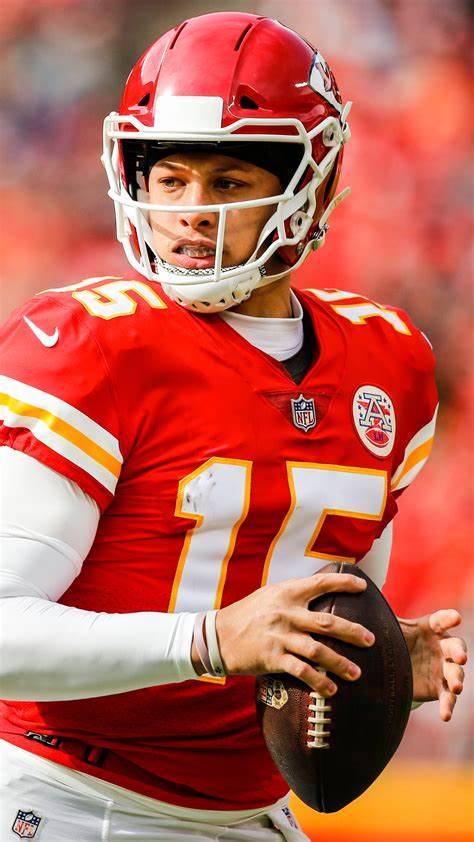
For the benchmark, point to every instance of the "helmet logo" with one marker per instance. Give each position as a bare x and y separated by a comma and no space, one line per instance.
322,81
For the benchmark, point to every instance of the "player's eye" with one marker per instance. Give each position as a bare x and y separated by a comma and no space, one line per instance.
227,184
168,182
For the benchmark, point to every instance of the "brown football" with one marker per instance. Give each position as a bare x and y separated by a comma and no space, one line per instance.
330,750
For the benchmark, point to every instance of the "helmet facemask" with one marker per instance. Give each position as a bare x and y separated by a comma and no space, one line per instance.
219,288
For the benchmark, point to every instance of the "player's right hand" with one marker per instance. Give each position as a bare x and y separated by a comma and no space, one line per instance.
269,631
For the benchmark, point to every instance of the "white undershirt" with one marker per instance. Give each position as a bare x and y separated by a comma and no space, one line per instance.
280,338
53,652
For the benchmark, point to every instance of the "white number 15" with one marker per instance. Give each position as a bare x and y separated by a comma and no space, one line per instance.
217,497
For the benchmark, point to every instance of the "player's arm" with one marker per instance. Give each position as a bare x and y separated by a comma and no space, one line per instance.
437,656
55,652
64,445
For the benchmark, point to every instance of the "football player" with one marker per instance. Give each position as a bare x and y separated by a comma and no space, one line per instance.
186,447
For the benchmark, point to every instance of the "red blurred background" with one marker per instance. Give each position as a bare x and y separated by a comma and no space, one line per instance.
404,238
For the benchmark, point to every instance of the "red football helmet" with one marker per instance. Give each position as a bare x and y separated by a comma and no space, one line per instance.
241,85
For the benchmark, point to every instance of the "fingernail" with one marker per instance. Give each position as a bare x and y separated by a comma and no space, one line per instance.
353,671
332,689
369,637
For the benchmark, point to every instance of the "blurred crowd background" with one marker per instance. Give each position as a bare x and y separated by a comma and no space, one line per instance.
404,237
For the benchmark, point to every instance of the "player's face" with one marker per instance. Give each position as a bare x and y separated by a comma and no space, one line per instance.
188,239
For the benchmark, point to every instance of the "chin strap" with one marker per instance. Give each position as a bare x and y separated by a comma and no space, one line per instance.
332,205
269,279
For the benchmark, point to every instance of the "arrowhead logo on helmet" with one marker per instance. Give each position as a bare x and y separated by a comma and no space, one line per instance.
322,80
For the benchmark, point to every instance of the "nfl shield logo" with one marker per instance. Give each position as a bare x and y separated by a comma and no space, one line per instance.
304,413
26,824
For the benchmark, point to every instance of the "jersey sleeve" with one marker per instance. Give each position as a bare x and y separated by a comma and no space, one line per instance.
420,409
57,403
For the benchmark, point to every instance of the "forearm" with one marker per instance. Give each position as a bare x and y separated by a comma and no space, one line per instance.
52,652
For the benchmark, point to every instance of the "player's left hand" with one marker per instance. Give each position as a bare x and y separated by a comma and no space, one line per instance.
436,658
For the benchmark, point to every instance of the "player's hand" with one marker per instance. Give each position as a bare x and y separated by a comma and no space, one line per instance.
269,631
436,659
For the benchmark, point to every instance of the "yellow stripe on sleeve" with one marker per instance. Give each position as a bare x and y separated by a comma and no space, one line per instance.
416,453
420,454
62,428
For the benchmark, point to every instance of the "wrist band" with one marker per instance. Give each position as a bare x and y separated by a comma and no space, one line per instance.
212,645
201,643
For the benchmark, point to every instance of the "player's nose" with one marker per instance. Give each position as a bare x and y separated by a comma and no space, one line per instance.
198,195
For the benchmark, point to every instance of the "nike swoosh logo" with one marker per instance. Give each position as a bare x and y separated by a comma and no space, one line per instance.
46,339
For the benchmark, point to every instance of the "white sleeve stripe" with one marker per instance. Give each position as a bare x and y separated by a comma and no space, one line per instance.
408,478
421,442
43,433
64,411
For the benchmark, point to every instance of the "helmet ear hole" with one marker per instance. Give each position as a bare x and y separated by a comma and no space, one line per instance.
248,103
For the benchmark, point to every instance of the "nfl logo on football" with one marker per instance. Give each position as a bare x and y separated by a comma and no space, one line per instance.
26,824
304,413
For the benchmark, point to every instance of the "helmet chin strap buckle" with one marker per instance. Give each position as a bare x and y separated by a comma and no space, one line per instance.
318,239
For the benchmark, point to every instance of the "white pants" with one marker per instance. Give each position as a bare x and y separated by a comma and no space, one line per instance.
46,801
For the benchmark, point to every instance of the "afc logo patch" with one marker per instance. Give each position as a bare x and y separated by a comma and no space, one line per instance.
26,824
303,411
374,419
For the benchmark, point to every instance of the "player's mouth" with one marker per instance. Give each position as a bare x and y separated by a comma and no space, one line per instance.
194,255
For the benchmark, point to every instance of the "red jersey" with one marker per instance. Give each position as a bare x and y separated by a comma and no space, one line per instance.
215,473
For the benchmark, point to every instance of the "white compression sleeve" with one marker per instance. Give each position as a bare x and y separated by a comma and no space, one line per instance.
53,652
